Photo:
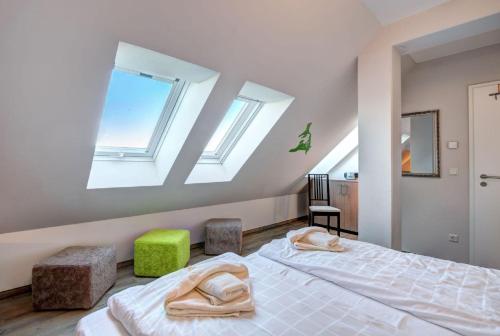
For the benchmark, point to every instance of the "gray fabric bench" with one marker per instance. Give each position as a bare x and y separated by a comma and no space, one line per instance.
75,278
223,235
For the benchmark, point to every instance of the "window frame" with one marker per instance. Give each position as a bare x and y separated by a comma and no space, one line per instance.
167,115
236,130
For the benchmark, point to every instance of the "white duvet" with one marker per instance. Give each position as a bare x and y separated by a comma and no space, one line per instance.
456,296
287,302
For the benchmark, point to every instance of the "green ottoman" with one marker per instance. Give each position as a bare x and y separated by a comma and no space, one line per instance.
159,252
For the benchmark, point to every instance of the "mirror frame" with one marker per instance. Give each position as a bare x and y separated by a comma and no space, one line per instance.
438,145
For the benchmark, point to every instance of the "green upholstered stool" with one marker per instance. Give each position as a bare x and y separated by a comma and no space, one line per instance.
159,252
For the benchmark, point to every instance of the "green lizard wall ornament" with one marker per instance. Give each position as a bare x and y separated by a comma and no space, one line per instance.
304,141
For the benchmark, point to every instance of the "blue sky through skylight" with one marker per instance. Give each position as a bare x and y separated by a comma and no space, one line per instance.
133,107
229,118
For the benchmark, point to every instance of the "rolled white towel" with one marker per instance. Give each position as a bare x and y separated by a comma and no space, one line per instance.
222,287
322,239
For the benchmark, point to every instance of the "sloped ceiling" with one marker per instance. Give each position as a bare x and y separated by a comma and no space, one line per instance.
389,11
55,62
468,36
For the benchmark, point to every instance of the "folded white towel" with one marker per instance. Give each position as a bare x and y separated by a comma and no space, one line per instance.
322,239
185,300
314,238
221,287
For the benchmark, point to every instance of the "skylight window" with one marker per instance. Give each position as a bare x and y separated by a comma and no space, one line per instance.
152,103
246,123
137,112
342,150
233,125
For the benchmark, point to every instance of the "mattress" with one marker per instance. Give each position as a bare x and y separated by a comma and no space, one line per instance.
288,302
460,297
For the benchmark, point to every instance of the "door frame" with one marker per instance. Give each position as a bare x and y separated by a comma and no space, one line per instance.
472,215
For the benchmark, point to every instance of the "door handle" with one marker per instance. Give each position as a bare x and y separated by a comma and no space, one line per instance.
484,176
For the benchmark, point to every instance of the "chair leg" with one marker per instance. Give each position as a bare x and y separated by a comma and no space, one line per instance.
309,219
338,224
328,223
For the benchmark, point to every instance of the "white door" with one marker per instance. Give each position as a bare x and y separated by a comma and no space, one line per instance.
484,137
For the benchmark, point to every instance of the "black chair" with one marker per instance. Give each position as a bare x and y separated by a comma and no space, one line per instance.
319,191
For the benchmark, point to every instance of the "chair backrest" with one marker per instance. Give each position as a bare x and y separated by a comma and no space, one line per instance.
318,188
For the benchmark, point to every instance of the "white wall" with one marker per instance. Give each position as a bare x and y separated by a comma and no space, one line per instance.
376,187
434,207
379,73
56,58
349,164
20,250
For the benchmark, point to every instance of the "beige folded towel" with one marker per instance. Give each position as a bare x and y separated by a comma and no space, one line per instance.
322,239
186,300
221,287
314,238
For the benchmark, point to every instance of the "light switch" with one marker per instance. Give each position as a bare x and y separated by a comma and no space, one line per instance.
453,171
452,144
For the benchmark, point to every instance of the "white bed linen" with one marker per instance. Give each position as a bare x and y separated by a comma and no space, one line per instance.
460,297
288,302
100,323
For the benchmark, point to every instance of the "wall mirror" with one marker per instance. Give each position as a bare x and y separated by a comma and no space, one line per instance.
420,144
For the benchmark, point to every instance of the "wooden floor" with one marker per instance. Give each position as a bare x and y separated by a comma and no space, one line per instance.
18,318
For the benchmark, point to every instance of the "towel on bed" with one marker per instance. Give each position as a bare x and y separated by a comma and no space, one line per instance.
221,287
185,299
314,238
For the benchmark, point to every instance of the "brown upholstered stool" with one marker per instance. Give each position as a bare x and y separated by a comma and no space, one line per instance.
223,235
75,278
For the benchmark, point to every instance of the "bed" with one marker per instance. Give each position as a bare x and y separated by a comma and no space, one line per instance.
288,302
459,297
